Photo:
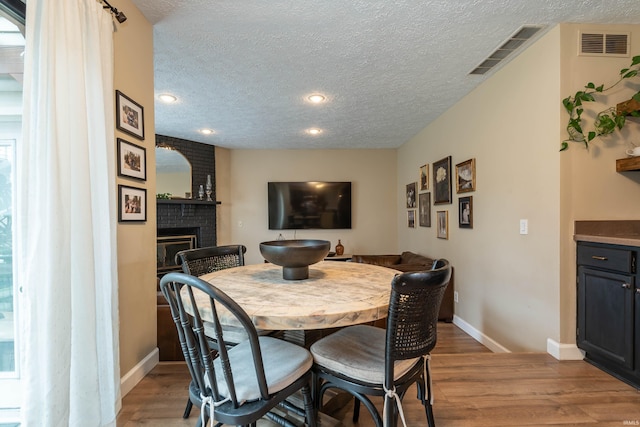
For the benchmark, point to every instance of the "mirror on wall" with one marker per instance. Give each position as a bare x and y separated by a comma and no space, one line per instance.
173,173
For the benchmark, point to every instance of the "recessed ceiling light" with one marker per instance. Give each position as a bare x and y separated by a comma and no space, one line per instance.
314,131
166,98
316,98
207,131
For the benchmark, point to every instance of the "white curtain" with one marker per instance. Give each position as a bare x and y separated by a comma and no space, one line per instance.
66,226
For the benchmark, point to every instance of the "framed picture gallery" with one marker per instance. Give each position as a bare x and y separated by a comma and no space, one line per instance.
411,219
129,116
466,176
465,212
442,218
132,160
132,204
424,209
424,177
411,195
442,181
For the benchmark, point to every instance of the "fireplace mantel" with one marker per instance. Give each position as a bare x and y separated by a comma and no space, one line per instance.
186,202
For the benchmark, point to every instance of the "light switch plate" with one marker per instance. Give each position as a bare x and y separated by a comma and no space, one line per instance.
524,226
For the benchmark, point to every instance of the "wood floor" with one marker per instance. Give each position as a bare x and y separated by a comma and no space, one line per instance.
473,388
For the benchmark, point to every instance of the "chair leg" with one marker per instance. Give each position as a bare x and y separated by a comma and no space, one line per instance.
360,398
309,407
187,410
390,403
356,410
431,422
424,394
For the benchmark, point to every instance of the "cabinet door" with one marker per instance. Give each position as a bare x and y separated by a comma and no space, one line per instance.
605,315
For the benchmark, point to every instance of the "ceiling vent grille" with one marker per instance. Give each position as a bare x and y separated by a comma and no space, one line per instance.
513,43
594,43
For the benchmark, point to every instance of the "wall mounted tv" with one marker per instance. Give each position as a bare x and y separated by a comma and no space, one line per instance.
309,205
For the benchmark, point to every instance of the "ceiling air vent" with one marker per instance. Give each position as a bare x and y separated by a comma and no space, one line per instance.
604,44
507,48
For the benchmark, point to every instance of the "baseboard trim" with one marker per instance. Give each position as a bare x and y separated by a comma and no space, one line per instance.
479,336
564,351
138,372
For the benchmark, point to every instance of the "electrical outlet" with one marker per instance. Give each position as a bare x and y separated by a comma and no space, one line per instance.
455,296
240,224
524,226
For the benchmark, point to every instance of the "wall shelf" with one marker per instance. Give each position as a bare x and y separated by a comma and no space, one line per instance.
629,164
628,107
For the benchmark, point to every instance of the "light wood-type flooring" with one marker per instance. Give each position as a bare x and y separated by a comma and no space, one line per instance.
473,388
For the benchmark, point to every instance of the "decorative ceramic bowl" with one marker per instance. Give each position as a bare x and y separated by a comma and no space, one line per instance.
295,256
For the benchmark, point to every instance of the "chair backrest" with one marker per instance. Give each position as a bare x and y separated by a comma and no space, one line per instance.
413,313
178,289
197,262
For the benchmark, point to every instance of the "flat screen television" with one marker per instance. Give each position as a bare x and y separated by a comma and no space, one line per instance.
309,205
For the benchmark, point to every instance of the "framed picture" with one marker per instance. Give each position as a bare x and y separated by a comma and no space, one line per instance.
132,160
129,116
411,195
465,212
424,209
132,204
411,219
466,176
442,181
443,224
424,177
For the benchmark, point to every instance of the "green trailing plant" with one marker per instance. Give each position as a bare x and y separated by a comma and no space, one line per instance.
607,121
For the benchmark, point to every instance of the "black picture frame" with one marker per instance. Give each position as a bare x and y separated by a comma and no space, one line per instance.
132,204
411,195
442,181
129,116
132,160
424,209
465,212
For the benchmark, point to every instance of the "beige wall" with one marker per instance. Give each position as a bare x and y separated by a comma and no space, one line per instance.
519,290
591,189
223,194
507,282
372,172
133,45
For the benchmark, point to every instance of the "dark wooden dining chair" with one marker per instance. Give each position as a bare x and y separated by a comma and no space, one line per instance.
197,262
369,361
244,382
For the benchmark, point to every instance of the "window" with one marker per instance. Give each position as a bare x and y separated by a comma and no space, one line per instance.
11,70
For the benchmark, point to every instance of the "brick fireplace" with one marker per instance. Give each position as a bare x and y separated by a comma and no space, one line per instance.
193,220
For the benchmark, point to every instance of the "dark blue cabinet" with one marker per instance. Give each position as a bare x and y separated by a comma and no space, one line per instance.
608,324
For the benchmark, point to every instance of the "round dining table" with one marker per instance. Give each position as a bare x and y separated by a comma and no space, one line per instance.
336,294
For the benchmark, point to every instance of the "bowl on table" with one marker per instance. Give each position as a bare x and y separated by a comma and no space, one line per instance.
295,256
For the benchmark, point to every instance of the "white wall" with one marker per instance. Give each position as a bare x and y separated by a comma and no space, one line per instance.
507,282
373,177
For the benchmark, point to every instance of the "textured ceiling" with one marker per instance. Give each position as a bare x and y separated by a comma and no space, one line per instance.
388,68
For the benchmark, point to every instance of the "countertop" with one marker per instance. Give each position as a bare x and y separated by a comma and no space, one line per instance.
626,233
